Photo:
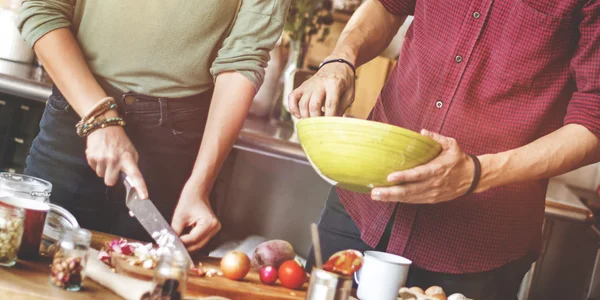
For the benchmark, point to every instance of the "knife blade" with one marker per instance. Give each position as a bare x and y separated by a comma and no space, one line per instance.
151,219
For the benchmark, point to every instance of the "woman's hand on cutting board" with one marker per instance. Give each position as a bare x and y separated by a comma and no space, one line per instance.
445,178
194,211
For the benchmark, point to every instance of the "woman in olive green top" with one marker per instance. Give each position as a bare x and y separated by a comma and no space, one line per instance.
177,72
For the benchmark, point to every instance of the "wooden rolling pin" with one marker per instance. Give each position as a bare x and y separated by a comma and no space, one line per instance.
126,287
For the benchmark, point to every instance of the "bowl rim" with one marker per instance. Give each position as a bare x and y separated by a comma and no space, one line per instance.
373,124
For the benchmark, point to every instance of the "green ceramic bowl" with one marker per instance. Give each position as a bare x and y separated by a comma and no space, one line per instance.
358,155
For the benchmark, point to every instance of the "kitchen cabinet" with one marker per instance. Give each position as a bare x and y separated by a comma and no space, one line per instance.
19,124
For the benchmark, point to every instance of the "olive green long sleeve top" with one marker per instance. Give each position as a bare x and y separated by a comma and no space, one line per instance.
164,48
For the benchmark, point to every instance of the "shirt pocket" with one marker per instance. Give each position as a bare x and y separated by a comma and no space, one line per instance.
530,46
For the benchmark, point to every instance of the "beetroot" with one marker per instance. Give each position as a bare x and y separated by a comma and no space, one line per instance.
272,253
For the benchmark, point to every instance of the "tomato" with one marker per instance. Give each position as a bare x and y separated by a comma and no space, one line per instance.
292,274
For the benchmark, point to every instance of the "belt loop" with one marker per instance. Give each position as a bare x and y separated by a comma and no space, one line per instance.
164,115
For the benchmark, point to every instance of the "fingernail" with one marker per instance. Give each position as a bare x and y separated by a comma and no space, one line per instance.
376,195
424,131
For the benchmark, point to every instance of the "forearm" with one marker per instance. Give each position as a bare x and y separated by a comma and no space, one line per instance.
566,149
231,101
367,34
63,60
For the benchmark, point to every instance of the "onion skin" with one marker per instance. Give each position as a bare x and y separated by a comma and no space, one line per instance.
235,265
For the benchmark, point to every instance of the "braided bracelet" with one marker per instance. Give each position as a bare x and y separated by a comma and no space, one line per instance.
98,110
88,128
101,107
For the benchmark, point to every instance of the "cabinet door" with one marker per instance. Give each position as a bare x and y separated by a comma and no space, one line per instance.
26,119
6,114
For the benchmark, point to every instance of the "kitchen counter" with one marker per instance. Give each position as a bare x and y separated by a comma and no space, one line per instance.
258,135
29,280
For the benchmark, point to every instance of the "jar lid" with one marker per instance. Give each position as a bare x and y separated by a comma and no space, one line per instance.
24,186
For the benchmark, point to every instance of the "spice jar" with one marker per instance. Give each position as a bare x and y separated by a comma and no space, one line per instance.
170,276
11,230
68,266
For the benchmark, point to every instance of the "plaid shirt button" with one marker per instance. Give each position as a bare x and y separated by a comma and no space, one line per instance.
439,104
476,15
458,58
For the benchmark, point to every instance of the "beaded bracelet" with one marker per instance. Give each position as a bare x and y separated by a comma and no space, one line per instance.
98,110
102,122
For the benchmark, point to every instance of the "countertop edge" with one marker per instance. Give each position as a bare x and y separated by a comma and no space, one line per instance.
24,88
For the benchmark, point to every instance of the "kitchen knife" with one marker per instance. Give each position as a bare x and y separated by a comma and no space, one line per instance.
151,219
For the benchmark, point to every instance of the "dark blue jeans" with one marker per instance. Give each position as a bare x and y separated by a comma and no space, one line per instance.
165,132
338,232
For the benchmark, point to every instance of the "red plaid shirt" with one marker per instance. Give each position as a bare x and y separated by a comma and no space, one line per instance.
495,75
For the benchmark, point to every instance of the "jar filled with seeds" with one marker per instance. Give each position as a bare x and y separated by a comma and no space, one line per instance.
68,267
170,276
11,231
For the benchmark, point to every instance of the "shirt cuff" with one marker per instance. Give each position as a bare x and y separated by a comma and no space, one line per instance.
584,109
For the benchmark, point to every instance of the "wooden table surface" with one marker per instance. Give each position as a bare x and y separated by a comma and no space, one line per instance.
29,280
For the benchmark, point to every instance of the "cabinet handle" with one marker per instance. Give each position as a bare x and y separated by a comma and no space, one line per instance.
2,102
19,140
25,107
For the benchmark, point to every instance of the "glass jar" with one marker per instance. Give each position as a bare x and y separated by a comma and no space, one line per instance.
58,221
170,276
12,220
68,267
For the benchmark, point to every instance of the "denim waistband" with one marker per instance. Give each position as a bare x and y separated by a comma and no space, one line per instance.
131,103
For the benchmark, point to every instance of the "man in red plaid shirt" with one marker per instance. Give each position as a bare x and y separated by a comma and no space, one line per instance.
510,89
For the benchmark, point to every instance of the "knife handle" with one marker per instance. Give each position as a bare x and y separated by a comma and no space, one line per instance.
126,180
123,176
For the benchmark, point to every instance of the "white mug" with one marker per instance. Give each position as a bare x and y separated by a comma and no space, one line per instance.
381,276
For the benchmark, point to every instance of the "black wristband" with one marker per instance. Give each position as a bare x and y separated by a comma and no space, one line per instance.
476,175
339,60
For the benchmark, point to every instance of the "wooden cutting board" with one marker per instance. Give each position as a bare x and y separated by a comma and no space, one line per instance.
250,288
